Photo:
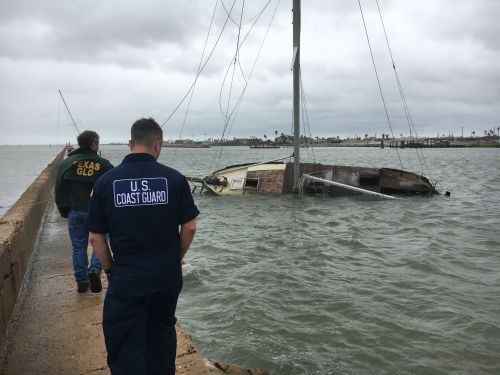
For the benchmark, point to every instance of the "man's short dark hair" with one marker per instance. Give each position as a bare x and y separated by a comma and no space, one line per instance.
146,131
87,138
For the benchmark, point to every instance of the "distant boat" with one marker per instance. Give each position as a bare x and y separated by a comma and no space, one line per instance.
277,177
264,146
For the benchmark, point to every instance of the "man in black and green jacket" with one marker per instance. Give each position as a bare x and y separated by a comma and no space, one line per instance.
74,181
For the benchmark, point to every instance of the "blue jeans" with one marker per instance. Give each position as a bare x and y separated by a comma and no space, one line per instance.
79,234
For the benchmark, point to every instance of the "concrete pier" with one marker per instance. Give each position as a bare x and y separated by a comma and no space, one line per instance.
54,329
46,327
19,229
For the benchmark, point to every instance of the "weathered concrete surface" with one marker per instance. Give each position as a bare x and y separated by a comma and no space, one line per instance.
47,327
18,232
54,329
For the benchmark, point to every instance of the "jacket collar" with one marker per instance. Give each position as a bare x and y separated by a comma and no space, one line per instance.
138,157
82,150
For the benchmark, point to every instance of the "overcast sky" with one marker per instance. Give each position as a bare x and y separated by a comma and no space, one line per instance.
117,61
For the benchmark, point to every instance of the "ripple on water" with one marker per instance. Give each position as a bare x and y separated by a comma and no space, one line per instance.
352,286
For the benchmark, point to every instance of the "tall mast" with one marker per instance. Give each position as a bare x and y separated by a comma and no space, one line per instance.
296,94
70,115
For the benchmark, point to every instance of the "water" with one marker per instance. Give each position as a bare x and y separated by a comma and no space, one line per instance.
302,285
19,166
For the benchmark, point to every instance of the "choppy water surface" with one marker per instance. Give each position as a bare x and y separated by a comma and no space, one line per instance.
304,285
19,166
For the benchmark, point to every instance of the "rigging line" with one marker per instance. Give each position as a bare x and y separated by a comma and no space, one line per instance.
420,154
401,91
201,70
241,69
236,58
227,119
58,121
258,54
302,110
248,21
221,110
235,110
254,21
233,63
306,111
304,123
233,57
378,79
307,127
242,83
237,106
425,164
70,115
228,13
199,67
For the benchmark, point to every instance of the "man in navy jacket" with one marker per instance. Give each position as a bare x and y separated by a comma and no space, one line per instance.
148,210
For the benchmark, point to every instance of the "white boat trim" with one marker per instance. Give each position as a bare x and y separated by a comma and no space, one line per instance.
267,167
231,169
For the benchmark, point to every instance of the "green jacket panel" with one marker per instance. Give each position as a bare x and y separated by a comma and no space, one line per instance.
75,178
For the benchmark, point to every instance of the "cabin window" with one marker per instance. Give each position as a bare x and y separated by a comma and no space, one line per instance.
369,180
251,183
236,184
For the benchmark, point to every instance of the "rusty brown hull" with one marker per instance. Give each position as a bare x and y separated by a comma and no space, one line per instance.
277,178
380,180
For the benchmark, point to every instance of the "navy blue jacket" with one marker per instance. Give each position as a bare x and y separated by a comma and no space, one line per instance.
141,204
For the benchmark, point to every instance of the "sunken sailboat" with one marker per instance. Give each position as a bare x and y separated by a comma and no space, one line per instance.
278,177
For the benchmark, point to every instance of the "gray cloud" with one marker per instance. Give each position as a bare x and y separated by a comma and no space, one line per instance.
116,61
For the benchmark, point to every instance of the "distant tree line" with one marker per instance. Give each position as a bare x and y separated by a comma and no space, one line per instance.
287,140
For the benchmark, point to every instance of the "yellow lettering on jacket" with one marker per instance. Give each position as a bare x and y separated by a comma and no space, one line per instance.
87,168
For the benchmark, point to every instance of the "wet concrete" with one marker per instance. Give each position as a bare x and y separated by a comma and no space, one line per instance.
19,228
54,329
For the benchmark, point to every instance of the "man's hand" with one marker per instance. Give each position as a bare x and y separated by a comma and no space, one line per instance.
187,234
102,250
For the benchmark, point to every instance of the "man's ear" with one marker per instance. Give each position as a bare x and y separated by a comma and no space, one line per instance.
159,143
130,144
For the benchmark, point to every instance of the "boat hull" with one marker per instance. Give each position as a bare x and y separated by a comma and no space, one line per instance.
277,179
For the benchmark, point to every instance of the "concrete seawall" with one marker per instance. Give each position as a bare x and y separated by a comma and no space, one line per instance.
18,232
52,329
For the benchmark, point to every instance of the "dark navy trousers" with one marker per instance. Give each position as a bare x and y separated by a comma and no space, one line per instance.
139,315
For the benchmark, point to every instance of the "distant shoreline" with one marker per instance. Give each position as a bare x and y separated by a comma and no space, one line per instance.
189,145
451,145
369,144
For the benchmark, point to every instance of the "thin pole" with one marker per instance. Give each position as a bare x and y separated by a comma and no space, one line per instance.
349,187
70,115
296,95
